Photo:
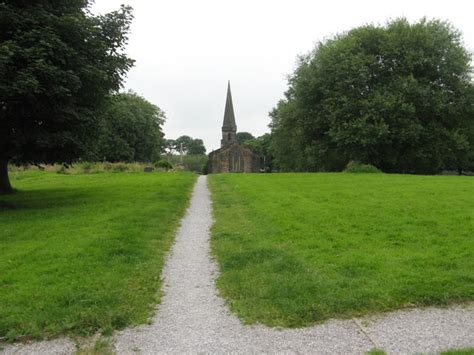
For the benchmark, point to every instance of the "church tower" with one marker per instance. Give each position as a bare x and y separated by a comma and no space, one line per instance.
229,128
232,157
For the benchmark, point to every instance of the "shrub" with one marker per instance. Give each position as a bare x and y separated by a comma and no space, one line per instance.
108,166
163,164
87,167
356,167
120,167
16,168
62,169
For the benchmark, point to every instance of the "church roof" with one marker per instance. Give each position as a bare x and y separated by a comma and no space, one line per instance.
229,118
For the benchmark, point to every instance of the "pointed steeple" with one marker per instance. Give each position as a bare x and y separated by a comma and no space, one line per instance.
229,128
229,118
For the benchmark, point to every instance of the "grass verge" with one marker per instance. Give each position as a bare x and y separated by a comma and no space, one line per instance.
295,249
468,351
83,253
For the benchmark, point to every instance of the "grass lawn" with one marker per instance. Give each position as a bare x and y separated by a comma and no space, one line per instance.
469,351
295,249
82,253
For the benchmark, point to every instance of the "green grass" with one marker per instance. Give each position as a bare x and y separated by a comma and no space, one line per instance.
376,352
469,351
83,253
295,249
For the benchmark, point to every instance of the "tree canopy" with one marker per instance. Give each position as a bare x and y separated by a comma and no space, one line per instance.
196,147
130,130
58,64
262,147
244,136
186,145
399,97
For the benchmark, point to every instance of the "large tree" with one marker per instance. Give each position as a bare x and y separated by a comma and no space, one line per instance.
242,137
262,147
58,63
196,147
190,146
131,129
182,144
398,96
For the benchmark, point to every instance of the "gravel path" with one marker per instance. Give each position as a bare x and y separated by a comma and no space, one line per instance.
193,319
53,347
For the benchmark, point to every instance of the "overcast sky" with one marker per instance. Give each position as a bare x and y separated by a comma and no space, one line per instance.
186,50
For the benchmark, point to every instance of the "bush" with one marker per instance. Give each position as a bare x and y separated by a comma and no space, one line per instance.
87,167
24,167
356,167
108,166
62,169
120,167
163,164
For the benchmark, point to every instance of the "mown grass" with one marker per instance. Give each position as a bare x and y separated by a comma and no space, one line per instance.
295,249
83,253
468,351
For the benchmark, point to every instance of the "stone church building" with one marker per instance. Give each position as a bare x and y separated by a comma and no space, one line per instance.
232,157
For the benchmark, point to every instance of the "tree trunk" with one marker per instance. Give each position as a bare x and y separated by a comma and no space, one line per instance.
5,187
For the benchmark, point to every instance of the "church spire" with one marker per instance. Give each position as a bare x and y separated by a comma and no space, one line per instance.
229,118
229,128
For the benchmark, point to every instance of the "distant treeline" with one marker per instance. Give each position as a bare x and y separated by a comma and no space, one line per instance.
130,130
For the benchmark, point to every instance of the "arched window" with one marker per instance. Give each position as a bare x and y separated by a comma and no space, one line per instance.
228,136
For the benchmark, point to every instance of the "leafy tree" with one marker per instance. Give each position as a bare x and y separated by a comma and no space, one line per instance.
58,63
170,146
196,147
244,136
131,130
189,145
399,97
262,146
182,144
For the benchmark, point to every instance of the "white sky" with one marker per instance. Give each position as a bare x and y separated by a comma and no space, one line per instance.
186,50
